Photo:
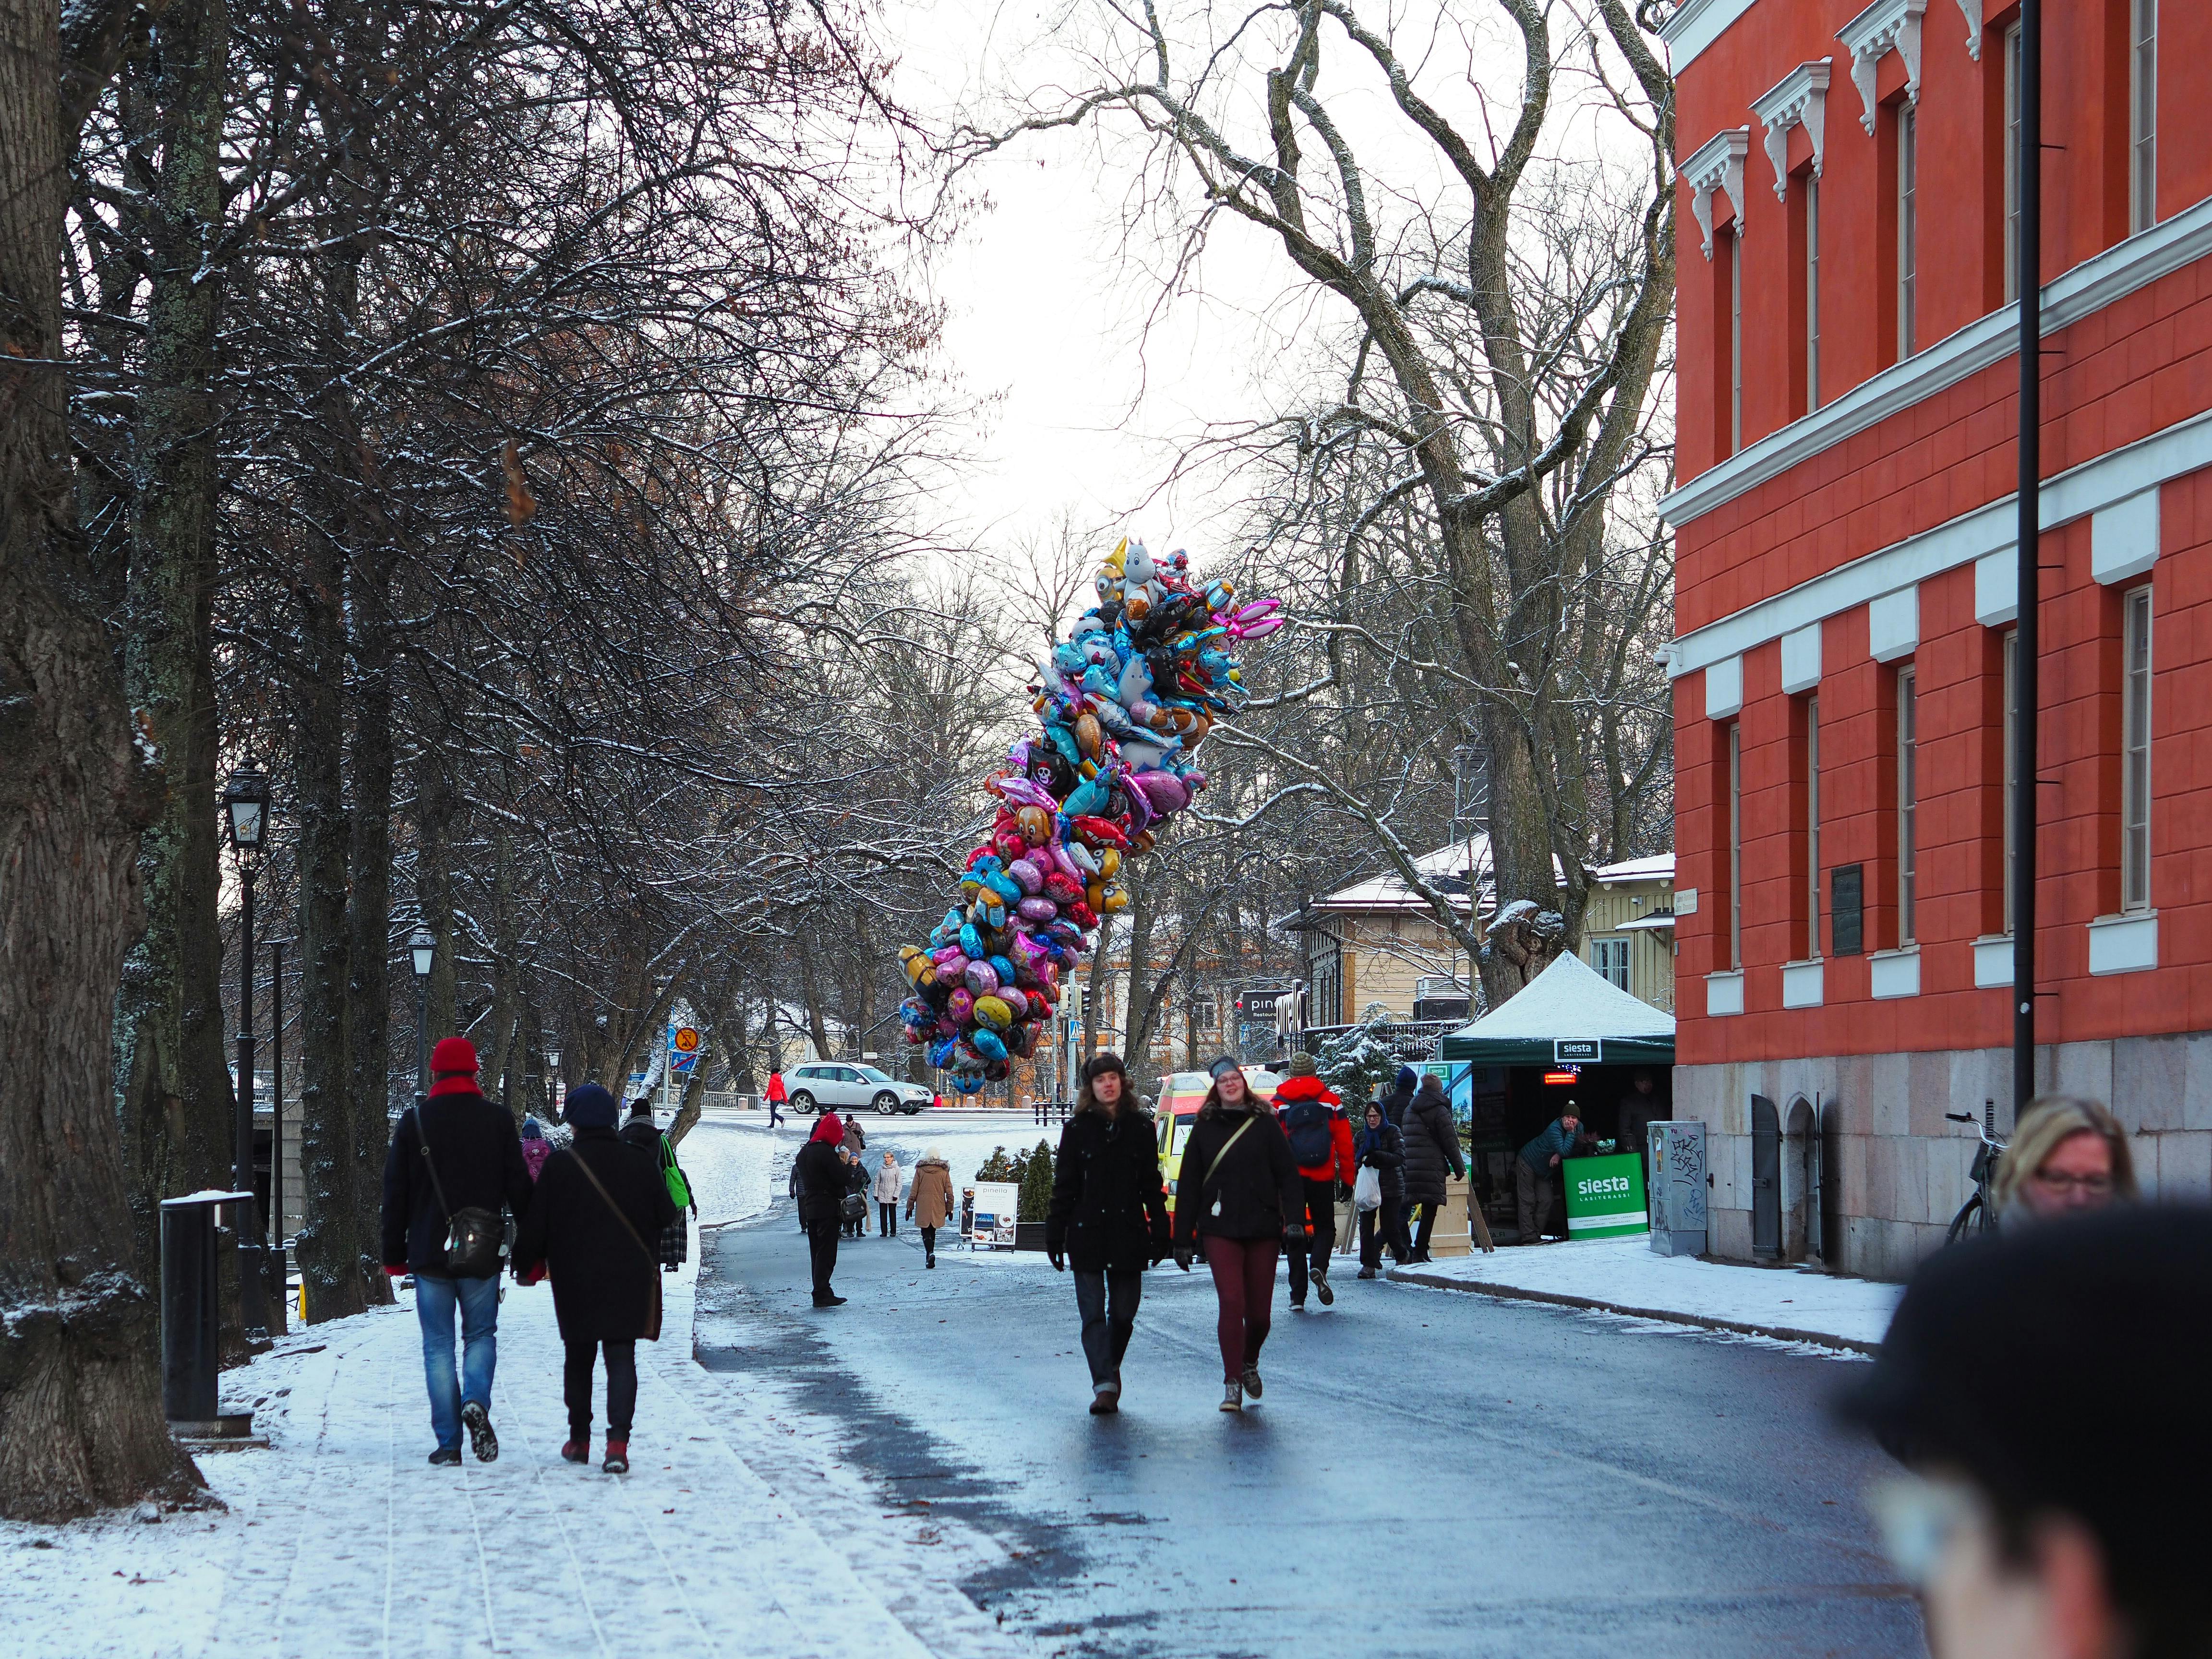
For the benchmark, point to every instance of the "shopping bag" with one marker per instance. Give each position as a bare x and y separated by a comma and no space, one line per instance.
1367,1191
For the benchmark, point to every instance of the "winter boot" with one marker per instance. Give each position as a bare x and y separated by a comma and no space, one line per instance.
929,1258
1320,1287
829,1301
445,1454
1232,1396
617,1457
1251,1383
577,1451
1367,1272
1106,1398
481,1441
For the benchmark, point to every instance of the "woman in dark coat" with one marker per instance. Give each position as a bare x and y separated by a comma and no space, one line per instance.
818,1179
1432,1148
1109,1215
1379,1146
1239,1197
593,1218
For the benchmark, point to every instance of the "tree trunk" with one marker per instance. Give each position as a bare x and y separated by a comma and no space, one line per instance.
434,803
81,1422
1094,984
178,1119
368,1033
1138,1016
809,988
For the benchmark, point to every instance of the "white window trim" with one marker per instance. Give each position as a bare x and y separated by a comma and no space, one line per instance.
2098,282
2132,739
1697,24
1799,98
2125,944
1717,164
1885,26
1895,973
1804,984
1724,993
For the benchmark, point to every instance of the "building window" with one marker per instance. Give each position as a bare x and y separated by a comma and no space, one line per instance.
1812,294
1812,826
2143,116
1908,800
1610,958
2135,753
1204,1015
1735,842
1907,237
2012,163
1731,252
2011,763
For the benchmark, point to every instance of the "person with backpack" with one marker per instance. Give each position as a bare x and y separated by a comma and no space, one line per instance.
598,1205
776,1096
1321,1140
1431,1145
887,1198
641,1133
454,1162
1240,1201
818,1178
1381,1148
929,1199
1109,1216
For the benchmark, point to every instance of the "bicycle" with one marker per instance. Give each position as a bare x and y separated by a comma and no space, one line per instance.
1977,1214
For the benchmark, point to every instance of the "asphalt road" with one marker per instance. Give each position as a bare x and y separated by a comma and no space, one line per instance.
1430,1472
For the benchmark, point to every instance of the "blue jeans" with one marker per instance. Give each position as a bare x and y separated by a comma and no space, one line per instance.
434,1301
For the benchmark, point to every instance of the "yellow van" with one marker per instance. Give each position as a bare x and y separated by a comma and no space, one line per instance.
1181,1093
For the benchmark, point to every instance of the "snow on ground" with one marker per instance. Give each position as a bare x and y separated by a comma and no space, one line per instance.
341,1540
1627,1275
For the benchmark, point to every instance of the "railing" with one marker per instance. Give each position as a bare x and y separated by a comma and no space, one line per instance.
1050,1111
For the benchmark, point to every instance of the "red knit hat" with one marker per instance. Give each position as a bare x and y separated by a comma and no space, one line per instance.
454,1056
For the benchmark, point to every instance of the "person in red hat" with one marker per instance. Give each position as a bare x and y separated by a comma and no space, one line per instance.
455,1160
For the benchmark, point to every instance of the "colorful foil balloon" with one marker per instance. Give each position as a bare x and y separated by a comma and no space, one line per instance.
1122,704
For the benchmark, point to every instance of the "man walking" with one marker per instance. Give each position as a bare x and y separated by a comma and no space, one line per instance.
776,1096
1535,1177
1320,1142
818,1182
454,1160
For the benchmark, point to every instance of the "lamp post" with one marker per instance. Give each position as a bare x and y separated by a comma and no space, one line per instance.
552,1082
423,947
245,813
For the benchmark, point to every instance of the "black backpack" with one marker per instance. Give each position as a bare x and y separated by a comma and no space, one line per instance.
1311,1143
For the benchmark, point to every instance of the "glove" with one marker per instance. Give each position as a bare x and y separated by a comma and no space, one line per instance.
1182,1258
1294,1237
1059,1263
1343,1191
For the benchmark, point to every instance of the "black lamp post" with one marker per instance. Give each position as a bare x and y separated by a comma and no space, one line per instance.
246,816
423,947
552,1082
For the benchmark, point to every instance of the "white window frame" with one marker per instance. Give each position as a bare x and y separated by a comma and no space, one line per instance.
2135,726
2142,115
2012,162
1812,294
1813,827
1608,953
1735,339
2011,769
1908,805
1735,844
1908,248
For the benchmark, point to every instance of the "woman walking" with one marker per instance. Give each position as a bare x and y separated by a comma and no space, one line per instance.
1431,1146
775,1098
1240,1199
596,1208
1110,1216
887,1198
818,1177
929,1199
1381,1148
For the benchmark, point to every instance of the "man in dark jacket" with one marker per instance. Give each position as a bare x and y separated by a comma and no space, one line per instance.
598,1207
1395,1099
1432,1147
1321,1140
1537,1173
819,1173
1110,1214
453,1152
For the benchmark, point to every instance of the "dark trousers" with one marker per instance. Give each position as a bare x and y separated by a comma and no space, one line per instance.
1383,1225
1428,1230
774,1117
1321,1217
886,1219
929,1241
1532,1197
622,1387
1108,1304
822,1249
1244,1283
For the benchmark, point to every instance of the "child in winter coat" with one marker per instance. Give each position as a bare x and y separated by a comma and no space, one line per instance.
887,1198
536,1149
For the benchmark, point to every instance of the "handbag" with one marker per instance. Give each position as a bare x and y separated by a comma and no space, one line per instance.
855,1207
1216,1164
652,1261
671,1175
1367,1190
472,1234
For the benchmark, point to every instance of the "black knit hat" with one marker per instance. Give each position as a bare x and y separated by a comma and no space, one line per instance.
1103,1061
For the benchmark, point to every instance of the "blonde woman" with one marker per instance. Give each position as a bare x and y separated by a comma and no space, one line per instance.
2067,1156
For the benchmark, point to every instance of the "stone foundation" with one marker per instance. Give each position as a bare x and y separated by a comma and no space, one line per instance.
1905,1170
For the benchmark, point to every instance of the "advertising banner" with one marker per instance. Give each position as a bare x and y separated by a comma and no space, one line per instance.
1604,1196
993,1224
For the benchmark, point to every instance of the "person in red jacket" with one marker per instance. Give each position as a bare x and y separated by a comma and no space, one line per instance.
1321,1140
776,1096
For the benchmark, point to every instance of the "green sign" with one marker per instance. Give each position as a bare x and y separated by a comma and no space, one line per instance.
1604,1196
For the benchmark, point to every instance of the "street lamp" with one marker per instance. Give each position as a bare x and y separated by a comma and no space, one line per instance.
246,811
552,1081
424,948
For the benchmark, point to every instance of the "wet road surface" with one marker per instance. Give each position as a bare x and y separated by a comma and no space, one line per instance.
1430,1472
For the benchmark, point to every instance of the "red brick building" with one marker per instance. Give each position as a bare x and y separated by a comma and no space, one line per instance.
1848,408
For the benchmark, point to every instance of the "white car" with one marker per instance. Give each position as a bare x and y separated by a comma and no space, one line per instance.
849,1087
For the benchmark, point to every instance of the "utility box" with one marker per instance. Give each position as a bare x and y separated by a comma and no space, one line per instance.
1676,1180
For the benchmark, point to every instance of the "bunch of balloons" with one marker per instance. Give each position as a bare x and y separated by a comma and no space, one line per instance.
1122,701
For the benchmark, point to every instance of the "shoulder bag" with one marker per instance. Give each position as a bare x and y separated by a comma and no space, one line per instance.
652,1261
473,1234
1214,1167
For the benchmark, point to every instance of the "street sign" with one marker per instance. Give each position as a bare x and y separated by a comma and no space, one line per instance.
1577,1051
683,1064
684,1040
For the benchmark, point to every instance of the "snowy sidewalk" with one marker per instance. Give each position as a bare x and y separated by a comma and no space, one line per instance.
341,1540
1625,1276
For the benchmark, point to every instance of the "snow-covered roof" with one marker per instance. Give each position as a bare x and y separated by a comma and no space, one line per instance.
1389,892
1659,867
1656,920
1570,999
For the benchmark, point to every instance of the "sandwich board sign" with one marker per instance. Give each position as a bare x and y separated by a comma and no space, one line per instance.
996,1202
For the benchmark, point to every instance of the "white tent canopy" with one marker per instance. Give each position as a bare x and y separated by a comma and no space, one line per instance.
1568,1000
